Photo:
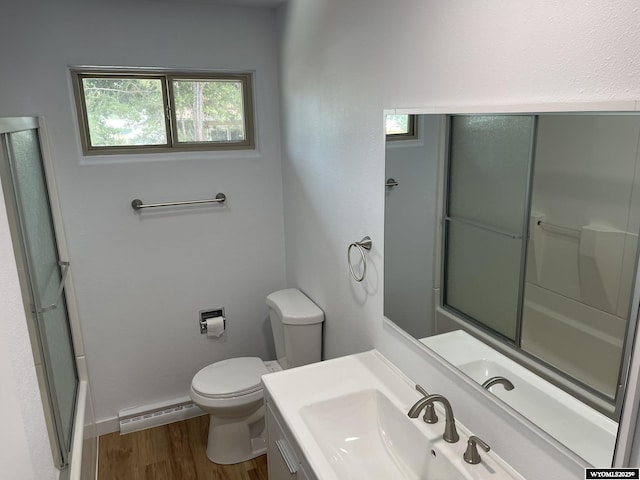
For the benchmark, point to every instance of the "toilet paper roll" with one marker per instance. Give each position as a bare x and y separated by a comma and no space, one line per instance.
215,327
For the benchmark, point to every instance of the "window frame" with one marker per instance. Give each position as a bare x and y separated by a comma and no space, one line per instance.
166,77
412,133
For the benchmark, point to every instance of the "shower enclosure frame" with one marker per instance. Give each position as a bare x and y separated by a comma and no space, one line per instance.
61,434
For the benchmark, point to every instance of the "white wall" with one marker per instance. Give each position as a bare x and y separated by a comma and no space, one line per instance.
141,278
342,64
25,453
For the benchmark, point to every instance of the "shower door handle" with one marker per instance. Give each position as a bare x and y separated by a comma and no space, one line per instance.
53,306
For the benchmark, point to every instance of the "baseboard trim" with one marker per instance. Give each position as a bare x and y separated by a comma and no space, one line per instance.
108,425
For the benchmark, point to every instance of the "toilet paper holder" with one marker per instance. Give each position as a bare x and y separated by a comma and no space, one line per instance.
208,314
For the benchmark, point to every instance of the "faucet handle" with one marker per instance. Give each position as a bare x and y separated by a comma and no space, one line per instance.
471,455
429,412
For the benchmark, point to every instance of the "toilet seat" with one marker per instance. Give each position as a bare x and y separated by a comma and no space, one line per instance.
230,378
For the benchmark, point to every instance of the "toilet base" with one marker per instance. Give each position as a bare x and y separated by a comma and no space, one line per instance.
235,441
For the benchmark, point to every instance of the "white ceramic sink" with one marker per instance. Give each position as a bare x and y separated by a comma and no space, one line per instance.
365,436
349,418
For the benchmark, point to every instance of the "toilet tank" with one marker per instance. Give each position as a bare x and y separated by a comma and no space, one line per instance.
296,323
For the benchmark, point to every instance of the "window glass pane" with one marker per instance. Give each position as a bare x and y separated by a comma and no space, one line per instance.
397,125
124,111
209,111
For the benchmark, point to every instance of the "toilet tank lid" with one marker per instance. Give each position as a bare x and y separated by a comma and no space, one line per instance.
294,307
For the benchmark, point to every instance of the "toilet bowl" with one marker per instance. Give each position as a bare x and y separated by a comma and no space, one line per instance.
230,391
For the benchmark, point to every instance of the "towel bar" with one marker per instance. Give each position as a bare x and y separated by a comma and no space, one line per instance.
137,203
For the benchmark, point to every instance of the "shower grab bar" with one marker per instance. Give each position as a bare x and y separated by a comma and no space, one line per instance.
137,204
464,221
560,229
53,306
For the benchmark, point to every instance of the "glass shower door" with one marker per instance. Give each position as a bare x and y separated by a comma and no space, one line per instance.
44,277
490,161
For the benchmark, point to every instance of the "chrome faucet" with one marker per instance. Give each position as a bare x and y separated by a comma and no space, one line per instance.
498,380
450,432
429,412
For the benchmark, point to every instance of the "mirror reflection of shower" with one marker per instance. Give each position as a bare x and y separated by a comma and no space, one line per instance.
584,224
542,214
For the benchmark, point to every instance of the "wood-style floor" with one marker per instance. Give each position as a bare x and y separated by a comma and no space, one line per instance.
172,452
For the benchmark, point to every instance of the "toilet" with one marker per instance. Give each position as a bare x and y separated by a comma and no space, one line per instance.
230,391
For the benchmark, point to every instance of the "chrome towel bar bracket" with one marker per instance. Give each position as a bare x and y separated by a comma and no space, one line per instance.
362,245
137,203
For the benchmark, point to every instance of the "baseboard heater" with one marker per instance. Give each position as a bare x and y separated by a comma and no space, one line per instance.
148,416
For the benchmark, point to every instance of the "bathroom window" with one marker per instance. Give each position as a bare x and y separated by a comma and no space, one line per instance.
401,127
130,111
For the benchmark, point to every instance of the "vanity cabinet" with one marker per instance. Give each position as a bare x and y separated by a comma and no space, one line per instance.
284,457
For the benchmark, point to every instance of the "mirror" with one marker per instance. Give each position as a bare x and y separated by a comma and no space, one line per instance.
519,233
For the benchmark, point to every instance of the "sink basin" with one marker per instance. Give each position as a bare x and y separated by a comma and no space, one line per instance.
348,419
363,435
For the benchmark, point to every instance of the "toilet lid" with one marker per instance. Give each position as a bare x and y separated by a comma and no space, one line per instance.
236,376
